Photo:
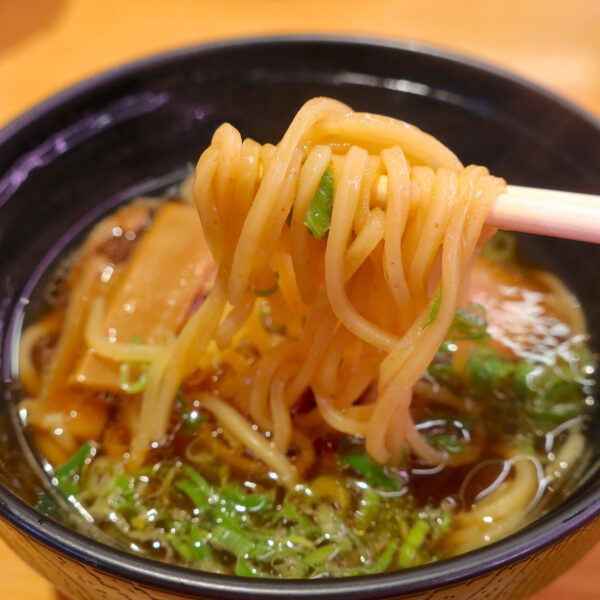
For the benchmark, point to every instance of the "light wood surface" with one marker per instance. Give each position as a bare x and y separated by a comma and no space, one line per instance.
46,45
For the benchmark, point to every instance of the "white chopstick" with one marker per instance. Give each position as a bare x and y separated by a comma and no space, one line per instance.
547,212
534,210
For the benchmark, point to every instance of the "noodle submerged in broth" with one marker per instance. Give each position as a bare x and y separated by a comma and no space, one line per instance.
312,379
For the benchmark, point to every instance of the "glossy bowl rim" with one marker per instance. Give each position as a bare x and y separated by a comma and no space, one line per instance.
558,524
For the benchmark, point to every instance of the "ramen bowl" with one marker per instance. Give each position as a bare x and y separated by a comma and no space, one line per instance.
138,129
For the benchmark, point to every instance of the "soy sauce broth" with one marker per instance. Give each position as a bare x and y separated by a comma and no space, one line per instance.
512,385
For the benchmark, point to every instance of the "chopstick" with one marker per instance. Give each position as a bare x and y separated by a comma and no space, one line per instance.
535,210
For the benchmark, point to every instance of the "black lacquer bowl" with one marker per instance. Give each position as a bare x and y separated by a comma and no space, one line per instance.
71,159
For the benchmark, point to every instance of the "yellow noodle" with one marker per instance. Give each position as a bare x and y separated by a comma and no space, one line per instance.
270,206
304,246
264,373
514,497
567,456
239,427
499,513
365,242
357,304
66,352
306,452
282,421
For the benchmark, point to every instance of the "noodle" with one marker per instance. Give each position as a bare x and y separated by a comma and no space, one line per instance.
241,430
428,193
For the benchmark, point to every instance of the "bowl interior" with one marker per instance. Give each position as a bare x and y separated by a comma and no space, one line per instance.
142,127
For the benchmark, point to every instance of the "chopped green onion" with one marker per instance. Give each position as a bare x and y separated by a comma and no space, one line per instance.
291,514
251,502
440,370
127,487
125,383
67,475
321,555
414,540
469,325
486,368
181,546
379,566
447,443
265,318
198,480
298,540
47,505
540,408
194,493
547,393
320,207
332,526
441,524
562,391
232,539
384,560
523,373
190,545
270,290
200,550
369,505
435,307
373,473
243,569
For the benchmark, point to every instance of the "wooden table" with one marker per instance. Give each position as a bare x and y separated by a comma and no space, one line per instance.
46,45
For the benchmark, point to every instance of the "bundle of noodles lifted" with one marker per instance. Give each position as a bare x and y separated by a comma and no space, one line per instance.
304,382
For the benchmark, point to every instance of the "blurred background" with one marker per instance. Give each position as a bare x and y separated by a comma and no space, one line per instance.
47,45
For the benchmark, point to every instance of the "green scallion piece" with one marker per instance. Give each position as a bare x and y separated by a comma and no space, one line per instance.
333,527
447,443
199,481
127,487
369,506
540,409
232,539
292,515
486,368
125,383
251,502
435,307
183,548
320,207
265,316
67,474
270,290
414,540
469,325
384,560
194,493
200,550
321,555
243,569
373,473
